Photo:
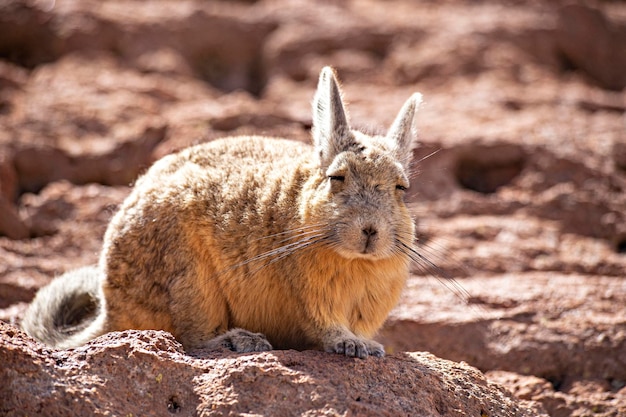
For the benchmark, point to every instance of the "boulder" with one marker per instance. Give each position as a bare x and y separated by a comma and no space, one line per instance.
148,373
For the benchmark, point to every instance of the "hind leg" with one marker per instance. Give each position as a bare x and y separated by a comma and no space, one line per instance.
195,321
126,311
201,320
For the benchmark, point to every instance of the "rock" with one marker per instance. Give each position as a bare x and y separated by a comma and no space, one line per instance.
504,331
220,44
10,223
37,166
132,372
578,334
593,43
619,155
303,44
565,401
67,223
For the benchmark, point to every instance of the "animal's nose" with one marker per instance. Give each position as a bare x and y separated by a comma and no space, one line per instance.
369,231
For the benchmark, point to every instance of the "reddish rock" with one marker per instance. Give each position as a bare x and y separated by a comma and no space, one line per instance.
11,225
67,223
593,43
565,400
159,378
222,44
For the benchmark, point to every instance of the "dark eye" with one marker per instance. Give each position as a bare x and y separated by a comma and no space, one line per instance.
337,178
400,187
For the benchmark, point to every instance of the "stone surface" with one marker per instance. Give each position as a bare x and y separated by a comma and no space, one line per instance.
593,42
519,190
160,378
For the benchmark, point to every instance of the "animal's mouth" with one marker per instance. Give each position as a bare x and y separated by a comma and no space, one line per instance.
364,250
369,247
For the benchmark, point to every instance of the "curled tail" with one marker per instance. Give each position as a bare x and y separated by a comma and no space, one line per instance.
69,311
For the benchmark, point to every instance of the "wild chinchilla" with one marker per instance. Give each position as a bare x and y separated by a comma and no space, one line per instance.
254,242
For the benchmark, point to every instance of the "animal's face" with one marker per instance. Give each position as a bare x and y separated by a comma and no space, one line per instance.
366,213
359,201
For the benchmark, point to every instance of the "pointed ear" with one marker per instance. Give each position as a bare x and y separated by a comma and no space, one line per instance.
402,134
330,121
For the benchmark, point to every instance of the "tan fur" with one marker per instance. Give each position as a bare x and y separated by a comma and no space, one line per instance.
306,245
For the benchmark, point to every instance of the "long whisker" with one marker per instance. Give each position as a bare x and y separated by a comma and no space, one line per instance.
444,278
282,252
293,232
279,252
293,240
428,156
434,253
289,247
311,233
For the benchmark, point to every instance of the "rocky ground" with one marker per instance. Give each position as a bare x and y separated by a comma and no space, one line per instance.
519,193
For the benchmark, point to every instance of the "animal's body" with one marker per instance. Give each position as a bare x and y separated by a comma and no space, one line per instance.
254,242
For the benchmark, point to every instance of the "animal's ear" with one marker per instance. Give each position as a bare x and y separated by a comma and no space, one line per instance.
331,132
403,134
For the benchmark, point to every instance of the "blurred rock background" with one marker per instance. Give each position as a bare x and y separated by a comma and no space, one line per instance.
519,192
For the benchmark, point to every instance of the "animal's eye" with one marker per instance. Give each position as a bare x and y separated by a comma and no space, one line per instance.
337,178
400,187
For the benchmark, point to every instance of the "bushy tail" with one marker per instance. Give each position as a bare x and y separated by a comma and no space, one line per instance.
69,311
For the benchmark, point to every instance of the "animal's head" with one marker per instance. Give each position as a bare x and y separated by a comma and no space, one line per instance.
363,178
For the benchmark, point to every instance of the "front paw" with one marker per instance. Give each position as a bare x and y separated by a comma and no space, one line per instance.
240,340
357,348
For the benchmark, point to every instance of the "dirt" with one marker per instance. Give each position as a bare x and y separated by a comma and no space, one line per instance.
520,180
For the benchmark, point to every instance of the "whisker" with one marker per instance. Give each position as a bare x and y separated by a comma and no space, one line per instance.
434,252
301,235
439,274
428,156
439,252
293,240
282,252
306,228
442,254
290,247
